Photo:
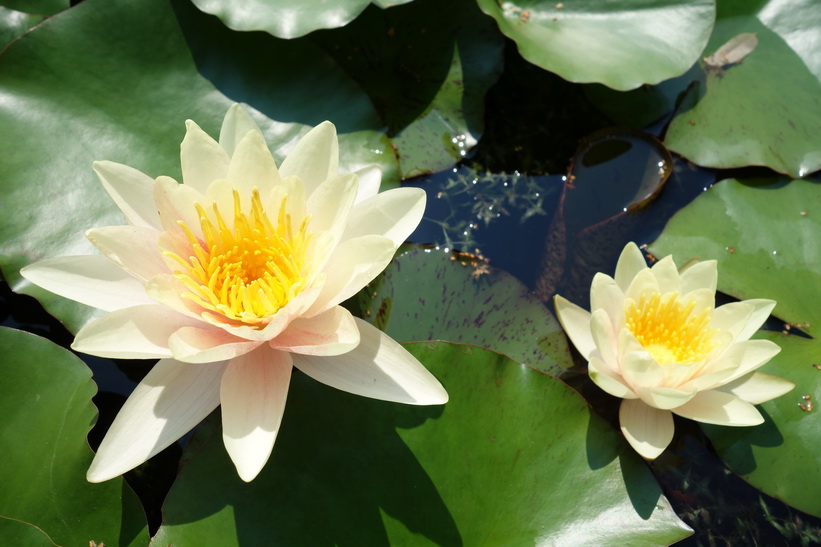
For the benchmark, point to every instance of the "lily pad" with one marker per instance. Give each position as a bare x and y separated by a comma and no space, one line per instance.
38,7
619,44
14,23
742,113
515,457
104,96
429,294
288,18
765,237
47,413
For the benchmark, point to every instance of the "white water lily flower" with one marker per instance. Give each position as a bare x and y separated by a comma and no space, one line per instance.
231,279
656,339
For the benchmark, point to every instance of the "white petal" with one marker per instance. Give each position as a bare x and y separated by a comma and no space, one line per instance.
131,190
330,204
314,158
749,354
666,275
606,295
609,381
139,332
645,283
133,248
665,398
761,311
206,345
353,264
732,317
720,408
165,405
640,370
631,262
378,368
202,158
604,337
235,126
701,275
332,332
252,166
647,429
394,214
92,280
369,178
175,202
253,393
758,387
576,323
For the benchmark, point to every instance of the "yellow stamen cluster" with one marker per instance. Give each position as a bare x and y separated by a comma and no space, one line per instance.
669,330
247,273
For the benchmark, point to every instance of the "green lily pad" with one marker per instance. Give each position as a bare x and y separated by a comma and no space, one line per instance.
38,7
47,412
105,95
765,236
429,294
515,457
14,23
743,114
288,18
619,44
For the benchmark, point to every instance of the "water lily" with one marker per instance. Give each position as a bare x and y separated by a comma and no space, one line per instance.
655,339
233,278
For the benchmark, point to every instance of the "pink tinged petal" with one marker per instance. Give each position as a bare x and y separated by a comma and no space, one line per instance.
206,345
369,178
330,204
641,371
666,275
133,248
202,158
647,429
762,308
631,262
139,332
394,214
720,408
131,190
604,337
332,332
175,202
252,394
92,280
314,158
605,294
701,275
165,405
609,381
353,264
576,323
235,126
252,166
378,368
749,354
758,387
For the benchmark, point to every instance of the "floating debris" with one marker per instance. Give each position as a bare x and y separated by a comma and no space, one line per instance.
733,52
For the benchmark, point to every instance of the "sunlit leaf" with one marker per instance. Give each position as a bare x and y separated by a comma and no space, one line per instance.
45,401
764,109
620,44
765,236
515,457
14,23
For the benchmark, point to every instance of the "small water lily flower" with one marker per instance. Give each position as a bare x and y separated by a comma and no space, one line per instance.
655,339
233,278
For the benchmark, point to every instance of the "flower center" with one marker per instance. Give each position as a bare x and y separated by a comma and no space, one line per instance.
669,330
247,273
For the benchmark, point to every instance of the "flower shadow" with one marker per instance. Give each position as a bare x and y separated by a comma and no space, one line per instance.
339,471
